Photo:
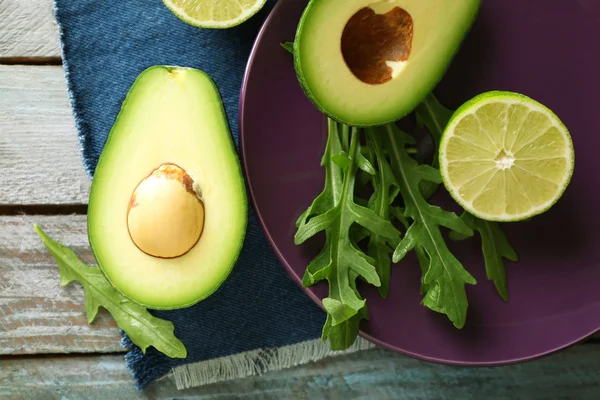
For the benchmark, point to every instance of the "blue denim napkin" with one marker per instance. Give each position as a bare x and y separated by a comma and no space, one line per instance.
106,44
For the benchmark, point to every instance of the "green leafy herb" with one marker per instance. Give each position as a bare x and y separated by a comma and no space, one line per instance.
432,114
495,247
386,188
341,262
344,136
343,335
445,277
398,213
329,197
435,117
142,327
385,164
289,46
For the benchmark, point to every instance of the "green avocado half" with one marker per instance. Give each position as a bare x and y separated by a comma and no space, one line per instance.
168,210
365,62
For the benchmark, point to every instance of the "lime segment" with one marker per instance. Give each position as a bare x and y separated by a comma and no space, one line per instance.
506,157
214,13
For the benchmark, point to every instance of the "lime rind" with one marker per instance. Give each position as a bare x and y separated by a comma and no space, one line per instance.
509,98
211,24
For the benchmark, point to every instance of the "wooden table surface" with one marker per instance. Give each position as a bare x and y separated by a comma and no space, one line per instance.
47,348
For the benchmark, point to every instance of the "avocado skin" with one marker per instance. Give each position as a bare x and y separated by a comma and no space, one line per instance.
401,113
238,170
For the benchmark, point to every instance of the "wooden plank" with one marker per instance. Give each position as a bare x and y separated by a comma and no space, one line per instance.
40,162
373,374
27,29
82,377
37,315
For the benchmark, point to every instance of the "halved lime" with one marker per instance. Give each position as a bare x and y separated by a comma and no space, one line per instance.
506,157
218,14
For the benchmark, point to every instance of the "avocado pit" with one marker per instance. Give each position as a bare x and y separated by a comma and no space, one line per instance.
376,44
165,216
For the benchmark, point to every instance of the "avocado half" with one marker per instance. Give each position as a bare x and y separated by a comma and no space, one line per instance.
167,211
365,62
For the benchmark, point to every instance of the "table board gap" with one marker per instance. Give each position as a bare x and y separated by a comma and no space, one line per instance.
31,60
59,356
43,209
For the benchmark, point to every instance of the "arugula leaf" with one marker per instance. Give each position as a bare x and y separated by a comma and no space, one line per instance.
340,261
344,136
432,114
341,336
495,246
364,164
398,213
445,273
435,117
386,188
330,196
288,46
142,327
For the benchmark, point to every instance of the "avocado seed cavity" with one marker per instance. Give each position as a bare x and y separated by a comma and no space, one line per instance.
165,217
377,41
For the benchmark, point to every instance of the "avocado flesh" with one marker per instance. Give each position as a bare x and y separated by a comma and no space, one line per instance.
439,27
171,115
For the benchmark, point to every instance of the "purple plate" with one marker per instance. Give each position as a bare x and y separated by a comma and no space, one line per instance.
545,49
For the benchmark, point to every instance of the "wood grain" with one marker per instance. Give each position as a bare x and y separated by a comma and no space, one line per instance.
37,315
27,29
35,110
373,374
